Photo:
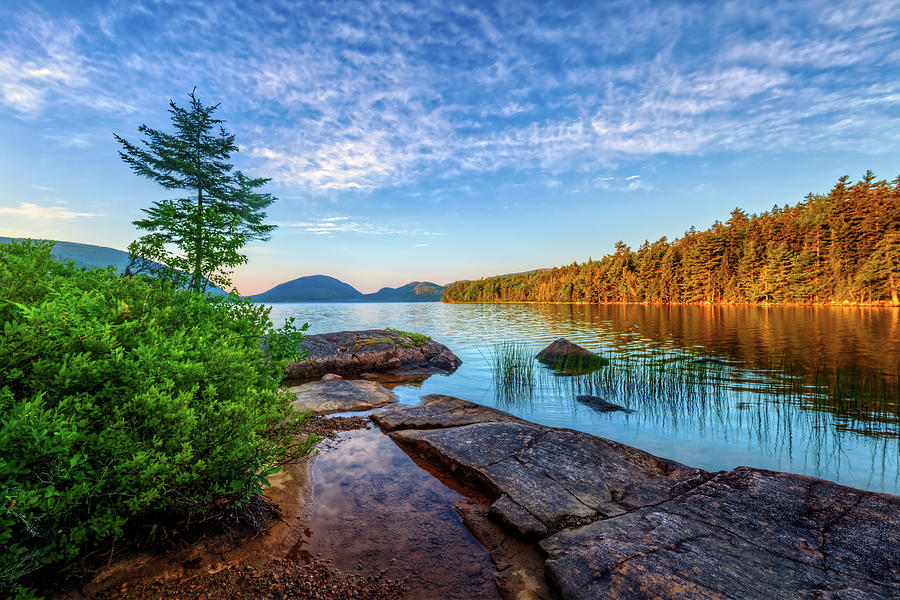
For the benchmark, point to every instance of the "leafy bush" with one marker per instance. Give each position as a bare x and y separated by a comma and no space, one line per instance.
126,403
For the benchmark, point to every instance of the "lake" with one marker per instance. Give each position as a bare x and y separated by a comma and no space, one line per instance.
811,390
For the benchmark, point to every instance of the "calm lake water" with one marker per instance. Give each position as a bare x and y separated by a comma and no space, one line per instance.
799,389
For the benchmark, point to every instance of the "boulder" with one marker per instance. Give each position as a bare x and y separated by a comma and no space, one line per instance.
340,395
601,405
615,522
567,356
353,352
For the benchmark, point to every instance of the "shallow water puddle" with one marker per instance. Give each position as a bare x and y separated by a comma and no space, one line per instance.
373,509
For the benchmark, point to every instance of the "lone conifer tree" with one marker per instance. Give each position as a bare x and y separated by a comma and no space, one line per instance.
223,210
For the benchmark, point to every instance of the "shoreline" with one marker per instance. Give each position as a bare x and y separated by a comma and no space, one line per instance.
844,304
552,508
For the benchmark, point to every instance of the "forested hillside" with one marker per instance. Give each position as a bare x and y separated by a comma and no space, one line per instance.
834,248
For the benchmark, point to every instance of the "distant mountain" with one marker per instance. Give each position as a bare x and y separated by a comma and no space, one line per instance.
312,288
417,291
321,288
86,255
90,256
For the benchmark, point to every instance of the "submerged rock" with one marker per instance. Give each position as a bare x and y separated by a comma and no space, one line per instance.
354,352
567,356
601,405
709,361
340,395
618,522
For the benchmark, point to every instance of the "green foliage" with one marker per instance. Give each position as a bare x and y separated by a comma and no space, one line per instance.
416,338
223,211
127,406
843,247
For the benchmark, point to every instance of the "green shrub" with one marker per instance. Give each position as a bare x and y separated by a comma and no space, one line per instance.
126,403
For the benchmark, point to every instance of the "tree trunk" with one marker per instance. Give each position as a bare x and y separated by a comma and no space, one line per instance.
198,245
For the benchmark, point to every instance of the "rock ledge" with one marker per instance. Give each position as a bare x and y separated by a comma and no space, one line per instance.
613,521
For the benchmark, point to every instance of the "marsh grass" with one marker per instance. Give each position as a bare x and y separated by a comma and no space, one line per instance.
690,388
577,364
513,372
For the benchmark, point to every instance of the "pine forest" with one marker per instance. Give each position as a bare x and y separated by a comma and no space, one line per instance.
838,248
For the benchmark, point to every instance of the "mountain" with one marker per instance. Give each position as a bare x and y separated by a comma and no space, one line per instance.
90,256
321,288
416,291
86,255
312,288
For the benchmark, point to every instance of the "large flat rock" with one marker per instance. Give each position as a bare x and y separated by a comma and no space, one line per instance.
372,350
616,522
340,395
746,533
439,412
542,479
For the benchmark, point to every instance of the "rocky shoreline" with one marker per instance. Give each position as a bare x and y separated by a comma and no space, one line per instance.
561,513
613,521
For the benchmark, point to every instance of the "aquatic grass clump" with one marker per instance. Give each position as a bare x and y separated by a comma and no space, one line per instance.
576,364
513,373
642,378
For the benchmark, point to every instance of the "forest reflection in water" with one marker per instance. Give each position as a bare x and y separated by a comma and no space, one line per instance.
812,390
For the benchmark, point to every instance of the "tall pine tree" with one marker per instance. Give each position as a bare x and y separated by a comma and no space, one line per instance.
223,210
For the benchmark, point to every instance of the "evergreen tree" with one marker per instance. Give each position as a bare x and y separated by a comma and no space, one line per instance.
843,246
880,275
223,210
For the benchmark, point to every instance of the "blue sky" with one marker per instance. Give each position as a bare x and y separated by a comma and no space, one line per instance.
440,140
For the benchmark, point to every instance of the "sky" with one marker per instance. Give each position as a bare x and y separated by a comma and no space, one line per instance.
439,140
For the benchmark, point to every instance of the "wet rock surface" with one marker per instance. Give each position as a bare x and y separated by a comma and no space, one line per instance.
354,352
614,521
340,395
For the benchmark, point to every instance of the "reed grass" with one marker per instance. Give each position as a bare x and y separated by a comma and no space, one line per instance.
513,372
681,386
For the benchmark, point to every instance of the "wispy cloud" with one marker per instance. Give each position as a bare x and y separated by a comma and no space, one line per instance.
38,212
335,225
357,96
71,140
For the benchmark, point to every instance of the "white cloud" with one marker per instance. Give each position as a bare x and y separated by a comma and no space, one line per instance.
71,140
334,225
37,212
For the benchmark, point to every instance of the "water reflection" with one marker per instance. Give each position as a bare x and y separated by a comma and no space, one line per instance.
374,510
800,389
